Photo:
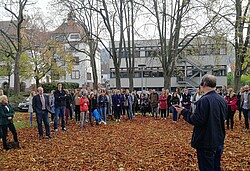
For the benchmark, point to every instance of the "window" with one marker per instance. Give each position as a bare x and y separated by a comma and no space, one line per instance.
75,74
203,50
137,53
223,49
74,36
215,49
72,47
76,60
88,76
152,53
59,37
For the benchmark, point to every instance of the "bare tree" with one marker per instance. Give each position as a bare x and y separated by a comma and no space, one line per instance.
15,44
88,19
176,28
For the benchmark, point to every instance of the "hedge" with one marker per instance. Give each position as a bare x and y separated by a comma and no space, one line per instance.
48,87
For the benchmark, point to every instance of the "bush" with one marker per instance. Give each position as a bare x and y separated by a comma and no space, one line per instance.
48,87
14,100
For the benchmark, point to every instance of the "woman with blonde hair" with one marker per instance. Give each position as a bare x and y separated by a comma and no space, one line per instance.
231,99
6,121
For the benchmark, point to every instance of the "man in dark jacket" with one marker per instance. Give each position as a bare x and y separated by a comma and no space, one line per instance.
209,129
60,107
40,104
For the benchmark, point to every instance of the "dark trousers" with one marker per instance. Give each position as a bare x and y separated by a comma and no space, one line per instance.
230,118
163,113
154,111
77,112
168,110
1,133
43,117
144,110
117,112
5,132
209,159
245,113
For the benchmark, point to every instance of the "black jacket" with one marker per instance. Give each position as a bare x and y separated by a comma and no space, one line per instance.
60,98
37,103
208,120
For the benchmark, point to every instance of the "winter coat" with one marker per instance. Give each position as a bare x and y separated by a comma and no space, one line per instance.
163,101
60,98
102,101
30,110
117,100
154,99
5,113
84,104
208,120
232,102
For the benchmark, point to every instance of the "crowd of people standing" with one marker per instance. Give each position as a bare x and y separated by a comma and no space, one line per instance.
62,106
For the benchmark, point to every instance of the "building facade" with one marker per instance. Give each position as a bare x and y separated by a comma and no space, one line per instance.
202,56
71,35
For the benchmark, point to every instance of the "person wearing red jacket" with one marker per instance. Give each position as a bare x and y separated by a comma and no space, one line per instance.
231,99
84,108
163,104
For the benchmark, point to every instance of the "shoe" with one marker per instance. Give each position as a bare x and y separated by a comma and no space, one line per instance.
64,129
16,145
49,136
104,123
56,130
6,149
40,137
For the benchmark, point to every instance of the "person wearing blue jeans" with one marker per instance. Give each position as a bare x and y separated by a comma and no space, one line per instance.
209,125
175,100
175,114
103,104
246,105
60,107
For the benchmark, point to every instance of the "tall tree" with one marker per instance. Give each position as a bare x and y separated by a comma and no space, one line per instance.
130,39
241,41
46,57
16,10
82,12
177,24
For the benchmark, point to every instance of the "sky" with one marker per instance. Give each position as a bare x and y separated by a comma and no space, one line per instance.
42,4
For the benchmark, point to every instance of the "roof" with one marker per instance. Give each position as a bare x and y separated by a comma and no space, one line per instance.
8,26
70,26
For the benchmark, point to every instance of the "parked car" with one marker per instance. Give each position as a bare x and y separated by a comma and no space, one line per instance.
24,106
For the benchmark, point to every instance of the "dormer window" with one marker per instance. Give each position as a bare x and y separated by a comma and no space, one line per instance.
74,37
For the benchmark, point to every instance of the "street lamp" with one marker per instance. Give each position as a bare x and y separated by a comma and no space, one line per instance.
141,66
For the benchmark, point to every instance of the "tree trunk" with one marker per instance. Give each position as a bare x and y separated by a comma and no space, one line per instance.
37,83
17,74
118,77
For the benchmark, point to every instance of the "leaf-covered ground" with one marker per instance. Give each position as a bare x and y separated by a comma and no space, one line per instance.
140,144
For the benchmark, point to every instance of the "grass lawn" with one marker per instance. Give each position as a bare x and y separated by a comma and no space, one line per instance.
140,144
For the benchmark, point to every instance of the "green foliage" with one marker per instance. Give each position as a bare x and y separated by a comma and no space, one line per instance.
245,79
14,100
230,79
48,87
